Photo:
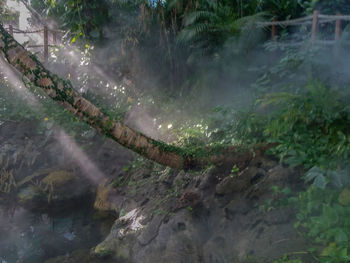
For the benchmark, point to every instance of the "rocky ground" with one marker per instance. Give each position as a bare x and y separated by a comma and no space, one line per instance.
115,210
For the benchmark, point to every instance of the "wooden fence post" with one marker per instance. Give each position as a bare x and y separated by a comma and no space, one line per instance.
273,31
337,28
54,37
314,26
11,30
46,44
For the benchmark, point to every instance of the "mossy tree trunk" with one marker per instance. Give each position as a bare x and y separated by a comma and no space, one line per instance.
63,93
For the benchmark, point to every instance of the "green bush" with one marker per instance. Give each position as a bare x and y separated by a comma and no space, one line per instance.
311,127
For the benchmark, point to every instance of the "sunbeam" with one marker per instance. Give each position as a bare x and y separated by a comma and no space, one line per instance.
70,148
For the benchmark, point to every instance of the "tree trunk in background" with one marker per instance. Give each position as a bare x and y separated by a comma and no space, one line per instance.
63,93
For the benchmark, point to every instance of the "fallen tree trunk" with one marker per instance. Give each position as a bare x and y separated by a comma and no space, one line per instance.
63,93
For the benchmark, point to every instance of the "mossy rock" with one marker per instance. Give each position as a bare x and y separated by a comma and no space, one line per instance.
56,186
37,176
30,195
105,249
115,248
59,179
103,197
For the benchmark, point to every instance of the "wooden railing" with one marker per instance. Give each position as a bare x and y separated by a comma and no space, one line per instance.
314,20
45,30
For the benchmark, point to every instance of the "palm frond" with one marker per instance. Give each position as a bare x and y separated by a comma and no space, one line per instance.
193,32
173,3
198,15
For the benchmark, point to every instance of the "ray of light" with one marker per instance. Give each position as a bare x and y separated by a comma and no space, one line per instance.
70,148
16,83
68,145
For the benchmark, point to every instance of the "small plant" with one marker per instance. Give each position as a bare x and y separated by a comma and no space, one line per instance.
234,171
285,259
118,182
280,198
323,216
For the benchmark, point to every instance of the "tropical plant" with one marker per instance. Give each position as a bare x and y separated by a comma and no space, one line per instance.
82,17
311,127
284,9
212,25
323,216
328,7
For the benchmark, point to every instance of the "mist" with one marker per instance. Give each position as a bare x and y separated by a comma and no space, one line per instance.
276,101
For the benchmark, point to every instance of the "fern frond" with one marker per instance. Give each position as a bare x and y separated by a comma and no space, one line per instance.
193,32
198,15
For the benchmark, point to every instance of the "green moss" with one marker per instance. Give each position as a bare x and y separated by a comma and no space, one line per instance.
59,178
103,250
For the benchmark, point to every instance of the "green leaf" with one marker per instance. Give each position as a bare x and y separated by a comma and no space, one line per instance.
313,173
320,182
329,250
341,236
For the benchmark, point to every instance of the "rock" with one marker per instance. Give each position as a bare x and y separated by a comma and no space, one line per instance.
181,180
231,184
81,255
151,230
247,177
279,173
225,227
122,236
36,176
30,196
177,241
39,190
59,179
209,180
104,197
264,163
63,185
218,249
279,216
167,176
110,156
228,185
259,175
236,206
187,199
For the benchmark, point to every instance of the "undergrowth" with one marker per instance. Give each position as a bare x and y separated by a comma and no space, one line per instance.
310,129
